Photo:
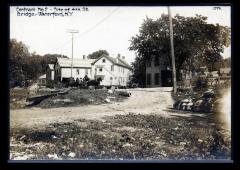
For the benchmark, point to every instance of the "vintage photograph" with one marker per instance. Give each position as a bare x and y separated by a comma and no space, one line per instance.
120,83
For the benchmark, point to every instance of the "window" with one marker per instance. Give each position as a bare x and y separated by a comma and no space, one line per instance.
112,67
111,78
156,62
149,63
77,71
86,71
103,60
156,78
100,69
149,79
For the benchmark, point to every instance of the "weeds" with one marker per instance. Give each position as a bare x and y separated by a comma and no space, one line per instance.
151,137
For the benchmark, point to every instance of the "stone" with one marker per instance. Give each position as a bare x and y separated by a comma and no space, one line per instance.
52,156
183,143
72,154
127,145
107,100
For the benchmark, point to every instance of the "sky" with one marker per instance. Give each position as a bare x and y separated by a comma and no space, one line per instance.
105,28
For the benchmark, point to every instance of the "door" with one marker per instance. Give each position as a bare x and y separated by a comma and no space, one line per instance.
166,78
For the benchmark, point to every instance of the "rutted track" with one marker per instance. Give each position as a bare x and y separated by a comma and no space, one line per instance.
143,101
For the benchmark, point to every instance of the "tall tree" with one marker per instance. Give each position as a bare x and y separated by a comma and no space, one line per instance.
139,73
195,41
26,66
97,54
18,58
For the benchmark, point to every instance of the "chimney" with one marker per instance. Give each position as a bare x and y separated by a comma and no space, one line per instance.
118,56
84,57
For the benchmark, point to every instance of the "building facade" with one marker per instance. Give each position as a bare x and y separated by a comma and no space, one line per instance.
113,71
65,68
158,73
50,72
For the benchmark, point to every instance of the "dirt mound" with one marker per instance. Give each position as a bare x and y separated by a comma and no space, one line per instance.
81,97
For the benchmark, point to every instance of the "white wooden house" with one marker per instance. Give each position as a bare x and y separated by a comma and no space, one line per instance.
80,67
113,71
50,72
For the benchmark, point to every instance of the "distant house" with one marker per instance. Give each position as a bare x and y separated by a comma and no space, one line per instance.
50,72
113,71
42,80
158,73
64,68
225,72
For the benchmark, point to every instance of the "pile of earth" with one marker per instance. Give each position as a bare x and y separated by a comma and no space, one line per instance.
81,97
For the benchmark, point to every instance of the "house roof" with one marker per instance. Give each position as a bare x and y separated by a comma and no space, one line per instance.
120,61
51,66
125,63
225,70
66,62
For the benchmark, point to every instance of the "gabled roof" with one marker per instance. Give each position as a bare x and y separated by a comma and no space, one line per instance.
51,66
120,62
124,62
66,62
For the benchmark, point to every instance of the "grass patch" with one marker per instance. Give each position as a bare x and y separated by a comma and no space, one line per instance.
18,97
153,137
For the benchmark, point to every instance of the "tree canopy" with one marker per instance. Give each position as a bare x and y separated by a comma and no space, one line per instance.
26,66
97,54
196,42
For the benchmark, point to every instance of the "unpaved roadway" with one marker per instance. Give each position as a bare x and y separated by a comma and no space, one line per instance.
142,101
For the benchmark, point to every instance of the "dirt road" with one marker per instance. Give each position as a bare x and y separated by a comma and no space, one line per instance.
132,129
143,101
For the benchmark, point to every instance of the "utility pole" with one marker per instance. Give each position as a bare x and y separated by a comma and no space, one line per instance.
72,32
172,52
